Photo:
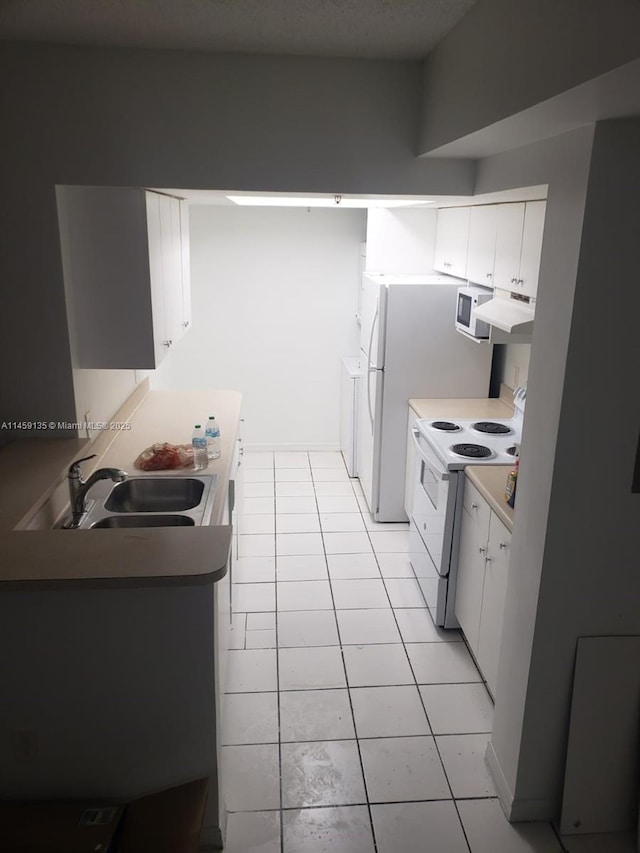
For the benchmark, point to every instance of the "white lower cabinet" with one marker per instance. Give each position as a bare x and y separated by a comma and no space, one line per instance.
483,566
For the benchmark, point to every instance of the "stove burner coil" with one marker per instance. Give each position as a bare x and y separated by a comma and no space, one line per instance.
445,426
511,450
491,428
471,451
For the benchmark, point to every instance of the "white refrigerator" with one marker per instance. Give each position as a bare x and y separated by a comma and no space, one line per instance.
409,349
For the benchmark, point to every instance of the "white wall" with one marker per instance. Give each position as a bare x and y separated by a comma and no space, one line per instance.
532,701
401,241
516,365
127,117
274,294
589,583
507,55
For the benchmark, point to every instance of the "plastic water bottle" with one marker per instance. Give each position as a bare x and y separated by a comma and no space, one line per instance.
212,433
199,442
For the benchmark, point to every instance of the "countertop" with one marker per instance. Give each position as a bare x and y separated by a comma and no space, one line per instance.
490,480
33,469
464,407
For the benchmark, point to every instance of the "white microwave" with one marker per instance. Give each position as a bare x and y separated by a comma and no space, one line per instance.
468,299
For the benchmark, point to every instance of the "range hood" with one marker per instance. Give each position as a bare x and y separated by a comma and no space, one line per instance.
510,315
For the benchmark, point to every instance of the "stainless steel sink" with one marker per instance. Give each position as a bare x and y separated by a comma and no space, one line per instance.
165,520
151,501
155,494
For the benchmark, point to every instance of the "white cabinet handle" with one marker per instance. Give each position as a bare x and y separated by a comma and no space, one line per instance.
502,545
167,344
474,506
482,550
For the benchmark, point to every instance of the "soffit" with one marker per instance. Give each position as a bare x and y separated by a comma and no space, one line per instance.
372,29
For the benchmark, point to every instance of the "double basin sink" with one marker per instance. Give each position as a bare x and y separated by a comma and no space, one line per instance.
151,501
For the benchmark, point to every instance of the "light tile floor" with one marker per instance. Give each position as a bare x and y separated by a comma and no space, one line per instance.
353,724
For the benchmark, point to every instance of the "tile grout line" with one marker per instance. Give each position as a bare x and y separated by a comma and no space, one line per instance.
348,688
346,680
435,743
275,591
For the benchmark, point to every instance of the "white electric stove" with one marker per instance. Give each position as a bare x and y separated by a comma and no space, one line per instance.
444,447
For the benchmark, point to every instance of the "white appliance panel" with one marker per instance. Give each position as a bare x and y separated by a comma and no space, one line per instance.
369,316
424,357
350,388
364,446
408,331
433,587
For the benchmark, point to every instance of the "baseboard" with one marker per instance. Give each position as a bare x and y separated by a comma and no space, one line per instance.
505,794
516,810
210,839
291,448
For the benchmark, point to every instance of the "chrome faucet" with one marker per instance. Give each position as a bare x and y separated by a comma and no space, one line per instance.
78,487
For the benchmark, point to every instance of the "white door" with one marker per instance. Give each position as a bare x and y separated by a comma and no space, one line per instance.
452,232
156,275
185,260
494,596
508,244
482,244
531,247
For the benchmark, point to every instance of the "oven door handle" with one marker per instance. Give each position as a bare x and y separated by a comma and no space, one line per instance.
428,457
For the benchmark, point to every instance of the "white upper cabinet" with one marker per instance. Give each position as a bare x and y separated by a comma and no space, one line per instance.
126,278
531,248
452,235
186,264
171,246
494,245
519,246
509,225
481,252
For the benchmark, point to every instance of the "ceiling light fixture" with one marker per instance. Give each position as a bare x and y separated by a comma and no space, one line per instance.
322,201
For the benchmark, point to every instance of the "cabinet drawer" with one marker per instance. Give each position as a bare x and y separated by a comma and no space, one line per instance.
475,506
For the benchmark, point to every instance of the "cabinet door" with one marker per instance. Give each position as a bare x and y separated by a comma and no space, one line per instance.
493,600
531,247
482,244
156,275
171,266
410,474
452,234
471,559
509,225
186,263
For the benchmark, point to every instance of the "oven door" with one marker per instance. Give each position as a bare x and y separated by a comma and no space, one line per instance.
434,503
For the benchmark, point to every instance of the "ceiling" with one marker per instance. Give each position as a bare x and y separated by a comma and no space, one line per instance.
372,29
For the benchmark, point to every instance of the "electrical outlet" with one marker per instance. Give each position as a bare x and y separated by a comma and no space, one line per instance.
25,744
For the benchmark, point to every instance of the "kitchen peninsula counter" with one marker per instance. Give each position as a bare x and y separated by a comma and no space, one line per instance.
35,470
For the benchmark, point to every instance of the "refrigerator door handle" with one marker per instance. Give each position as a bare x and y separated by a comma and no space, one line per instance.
374,323
370,370
370,367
